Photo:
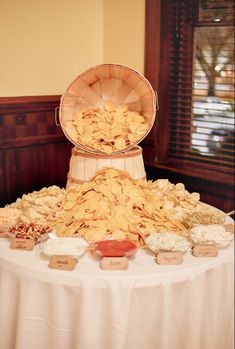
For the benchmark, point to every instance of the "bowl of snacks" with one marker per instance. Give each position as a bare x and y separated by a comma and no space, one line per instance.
33,231
211,234
108,109
66,246
115,248
167,241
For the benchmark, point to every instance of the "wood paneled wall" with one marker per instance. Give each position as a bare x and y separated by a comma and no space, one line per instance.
34,152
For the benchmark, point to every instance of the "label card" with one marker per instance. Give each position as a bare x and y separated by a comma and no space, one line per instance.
167,258
205,251
114,263
22,244
62,262
2,234
229,227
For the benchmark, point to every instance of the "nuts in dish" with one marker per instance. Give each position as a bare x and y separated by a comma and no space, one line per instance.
31,231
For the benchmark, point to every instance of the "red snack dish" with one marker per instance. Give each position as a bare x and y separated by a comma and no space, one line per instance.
116,248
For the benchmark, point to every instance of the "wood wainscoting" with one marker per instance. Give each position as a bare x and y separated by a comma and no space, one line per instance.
34,152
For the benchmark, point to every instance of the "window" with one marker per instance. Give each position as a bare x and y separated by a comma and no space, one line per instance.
194,54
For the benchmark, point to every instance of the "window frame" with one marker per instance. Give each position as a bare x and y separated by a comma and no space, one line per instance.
156,70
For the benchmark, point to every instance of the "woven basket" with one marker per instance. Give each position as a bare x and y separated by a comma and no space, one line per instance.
108,82
83,165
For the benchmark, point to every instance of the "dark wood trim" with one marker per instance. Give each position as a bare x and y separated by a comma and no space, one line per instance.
195,172
28,141
215,187
220,195
152,49
28,99
34,152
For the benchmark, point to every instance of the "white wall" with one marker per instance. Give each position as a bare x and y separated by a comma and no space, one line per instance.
45,44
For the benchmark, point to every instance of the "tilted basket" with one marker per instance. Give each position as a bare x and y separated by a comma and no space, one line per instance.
97,86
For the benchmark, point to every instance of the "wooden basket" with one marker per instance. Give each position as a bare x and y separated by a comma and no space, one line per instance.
108,82
83,165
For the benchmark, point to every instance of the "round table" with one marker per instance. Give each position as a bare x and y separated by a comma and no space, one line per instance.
147,306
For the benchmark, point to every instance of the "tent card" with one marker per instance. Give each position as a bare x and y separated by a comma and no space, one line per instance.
205,251
114,263
62,262
229,227
3,235
22,244
167,258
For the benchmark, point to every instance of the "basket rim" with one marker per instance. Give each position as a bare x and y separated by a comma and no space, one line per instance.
154,105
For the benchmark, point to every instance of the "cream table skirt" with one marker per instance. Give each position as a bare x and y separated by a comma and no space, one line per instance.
148,306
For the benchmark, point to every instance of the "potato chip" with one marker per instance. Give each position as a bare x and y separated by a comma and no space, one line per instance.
110,129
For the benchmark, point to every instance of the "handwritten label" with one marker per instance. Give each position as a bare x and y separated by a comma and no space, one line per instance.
114,263
2,234
22,244
169,258
205,251
62,262
229,227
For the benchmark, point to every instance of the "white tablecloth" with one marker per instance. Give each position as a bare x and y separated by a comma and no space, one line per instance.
148,306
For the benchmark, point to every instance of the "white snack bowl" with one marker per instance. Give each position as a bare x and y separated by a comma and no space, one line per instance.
64,246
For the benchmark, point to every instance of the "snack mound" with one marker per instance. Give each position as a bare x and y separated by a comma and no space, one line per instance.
115,206
40,206
115,248
113,128
8,218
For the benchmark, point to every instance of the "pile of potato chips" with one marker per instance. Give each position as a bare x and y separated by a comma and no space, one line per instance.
40,206
115,205
107,130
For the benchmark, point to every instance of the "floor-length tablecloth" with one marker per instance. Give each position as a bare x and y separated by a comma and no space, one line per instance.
148,306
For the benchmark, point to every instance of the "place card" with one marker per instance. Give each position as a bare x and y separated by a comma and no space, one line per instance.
22,244
229,227
114,263
205,251
2,234
62,262
169,258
